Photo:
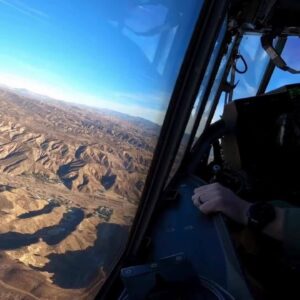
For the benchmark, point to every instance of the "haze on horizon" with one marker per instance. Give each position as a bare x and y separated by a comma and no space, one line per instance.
86,54
12,82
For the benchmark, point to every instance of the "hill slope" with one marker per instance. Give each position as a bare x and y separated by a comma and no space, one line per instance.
70,181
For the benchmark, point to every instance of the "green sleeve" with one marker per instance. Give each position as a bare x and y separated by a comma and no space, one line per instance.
292,232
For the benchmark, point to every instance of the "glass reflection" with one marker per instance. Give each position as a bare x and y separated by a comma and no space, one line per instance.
84,87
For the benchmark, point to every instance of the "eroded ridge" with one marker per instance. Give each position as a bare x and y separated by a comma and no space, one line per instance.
70,181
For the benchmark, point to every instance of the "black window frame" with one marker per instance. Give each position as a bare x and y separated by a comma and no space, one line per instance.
182,101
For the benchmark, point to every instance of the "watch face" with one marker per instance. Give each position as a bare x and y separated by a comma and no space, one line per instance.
260,214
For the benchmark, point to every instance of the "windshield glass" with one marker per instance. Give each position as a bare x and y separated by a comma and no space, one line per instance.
84,87
203,86
213,92
257,60
291,55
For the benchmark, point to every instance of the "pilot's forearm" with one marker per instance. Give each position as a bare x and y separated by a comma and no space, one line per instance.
214,198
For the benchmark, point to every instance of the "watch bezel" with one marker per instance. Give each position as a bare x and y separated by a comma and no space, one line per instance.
260,214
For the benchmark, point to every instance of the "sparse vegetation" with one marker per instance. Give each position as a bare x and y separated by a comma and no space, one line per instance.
58,162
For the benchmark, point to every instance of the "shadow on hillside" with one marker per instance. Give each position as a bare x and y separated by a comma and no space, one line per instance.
47,209
51,235
77,269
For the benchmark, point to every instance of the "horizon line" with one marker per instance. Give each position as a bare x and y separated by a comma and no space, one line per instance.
88,105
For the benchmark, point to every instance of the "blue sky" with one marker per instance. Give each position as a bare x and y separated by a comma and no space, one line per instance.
291,55
253,52
106,53
257,60
100,53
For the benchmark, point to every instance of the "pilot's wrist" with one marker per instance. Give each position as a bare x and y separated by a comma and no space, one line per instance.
237,211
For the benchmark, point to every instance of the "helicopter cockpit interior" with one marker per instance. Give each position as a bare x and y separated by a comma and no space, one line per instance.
244,136
149,149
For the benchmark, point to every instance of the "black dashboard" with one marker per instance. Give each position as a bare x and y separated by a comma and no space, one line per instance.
182,232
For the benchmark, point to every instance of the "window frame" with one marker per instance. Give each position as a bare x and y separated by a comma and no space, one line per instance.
200,108
222,53
273,75
279,47
217,97
181,104
266,78
267,75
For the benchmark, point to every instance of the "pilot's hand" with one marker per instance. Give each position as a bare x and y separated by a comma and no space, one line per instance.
213,198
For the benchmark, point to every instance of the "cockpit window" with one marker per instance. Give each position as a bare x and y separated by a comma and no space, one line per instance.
219,109
203,86
213,92
257,60
291,56
84,87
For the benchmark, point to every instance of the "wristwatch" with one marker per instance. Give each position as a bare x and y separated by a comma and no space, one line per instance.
259,215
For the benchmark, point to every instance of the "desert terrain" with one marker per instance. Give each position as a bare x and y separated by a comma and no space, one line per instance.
70,182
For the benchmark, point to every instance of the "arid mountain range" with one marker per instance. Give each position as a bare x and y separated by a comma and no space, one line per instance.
70,181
